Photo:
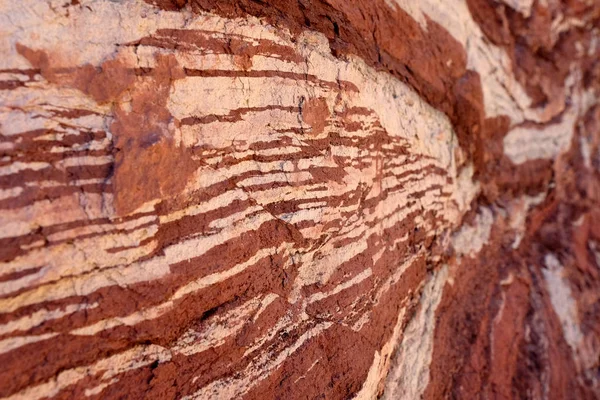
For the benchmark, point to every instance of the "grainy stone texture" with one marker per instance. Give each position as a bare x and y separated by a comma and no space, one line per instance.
299,199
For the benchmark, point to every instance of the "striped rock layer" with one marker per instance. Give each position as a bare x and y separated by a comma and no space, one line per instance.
314,199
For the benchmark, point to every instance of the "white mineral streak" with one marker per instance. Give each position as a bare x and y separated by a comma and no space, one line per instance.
562,301
409,375
13,343
471,238
39,317
469,188
584,350
381,363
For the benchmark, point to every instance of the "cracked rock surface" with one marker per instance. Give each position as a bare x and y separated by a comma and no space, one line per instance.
299,199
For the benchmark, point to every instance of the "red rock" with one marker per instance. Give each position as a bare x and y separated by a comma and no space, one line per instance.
312,199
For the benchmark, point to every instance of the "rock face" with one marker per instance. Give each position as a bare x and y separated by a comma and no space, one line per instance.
300,199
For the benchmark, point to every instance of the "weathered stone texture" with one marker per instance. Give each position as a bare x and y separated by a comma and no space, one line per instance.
299,199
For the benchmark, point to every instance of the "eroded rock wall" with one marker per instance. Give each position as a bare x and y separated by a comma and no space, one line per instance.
312,199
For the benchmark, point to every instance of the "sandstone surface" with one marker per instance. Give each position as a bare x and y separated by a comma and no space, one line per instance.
299,199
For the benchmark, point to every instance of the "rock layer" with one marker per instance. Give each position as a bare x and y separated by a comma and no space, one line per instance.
312,199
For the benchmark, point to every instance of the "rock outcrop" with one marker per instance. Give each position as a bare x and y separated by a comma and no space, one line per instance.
300,199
